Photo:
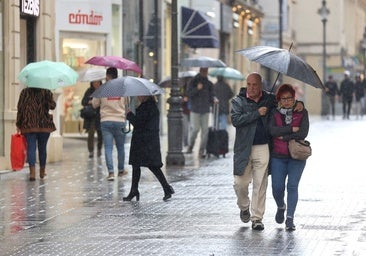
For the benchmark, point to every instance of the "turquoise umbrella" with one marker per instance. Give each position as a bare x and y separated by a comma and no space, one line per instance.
229,73
47,75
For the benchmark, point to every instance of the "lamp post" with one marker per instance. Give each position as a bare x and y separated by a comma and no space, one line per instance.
323,12
175,114
363,45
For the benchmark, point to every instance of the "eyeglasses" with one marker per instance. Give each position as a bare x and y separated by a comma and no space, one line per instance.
287,99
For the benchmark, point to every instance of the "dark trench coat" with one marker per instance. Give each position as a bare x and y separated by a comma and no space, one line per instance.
145,142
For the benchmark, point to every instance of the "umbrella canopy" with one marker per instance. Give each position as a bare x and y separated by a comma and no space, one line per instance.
47,75
229,73
166,82
92,74
204,62
115,62
284,62
127,86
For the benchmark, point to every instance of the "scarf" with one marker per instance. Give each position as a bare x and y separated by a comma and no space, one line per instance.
287,112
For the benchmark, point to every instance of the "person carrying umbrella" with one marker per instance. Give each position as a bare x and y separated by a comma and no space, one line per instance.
145,146
35,122
92,123
224,93
112,121
201,97
250,116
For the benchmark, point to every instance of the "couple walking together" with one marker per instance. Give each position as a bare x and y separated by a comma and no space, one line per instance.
264,124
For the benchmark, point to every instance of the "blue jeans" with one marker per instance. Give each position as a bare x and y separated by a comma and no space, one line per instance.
112,130
292,169
35,139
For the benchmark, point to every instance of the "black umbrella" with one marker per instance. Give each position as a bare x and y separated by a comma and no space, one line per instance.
284,62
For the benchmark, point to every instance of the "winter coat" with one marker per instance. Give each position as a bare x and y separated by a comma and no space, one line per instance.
145,142
85,101
347,89
278,128
244,117
359,90
33,114
224,93
200,100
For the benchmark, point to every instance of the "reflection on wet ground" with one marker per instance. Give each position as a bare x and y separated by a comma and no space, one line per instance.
76,211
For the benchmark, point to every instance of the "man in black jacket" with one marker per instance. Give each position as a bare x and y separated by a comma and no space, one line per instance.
201,97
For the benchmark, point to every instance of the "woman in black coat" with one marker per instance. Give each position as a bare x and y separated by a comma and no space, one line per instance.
145,146
92,124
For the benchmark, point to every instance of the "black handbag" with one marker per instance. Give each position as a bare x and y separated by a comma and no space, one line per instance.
88,112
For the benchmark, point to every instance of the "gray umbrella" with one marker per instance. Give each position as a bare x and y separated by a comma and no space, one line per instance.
203,62
284,62
127,86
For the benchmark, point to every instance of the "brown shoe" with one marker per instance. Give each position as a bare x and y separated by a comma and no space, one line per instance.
122,173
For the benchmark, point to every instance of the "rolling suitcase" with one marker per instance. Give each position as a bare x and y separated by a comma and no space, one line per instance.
218,140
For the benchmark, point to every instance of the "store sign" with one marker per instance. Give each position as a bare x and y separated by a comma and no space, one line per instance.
30,7
84,15
90,18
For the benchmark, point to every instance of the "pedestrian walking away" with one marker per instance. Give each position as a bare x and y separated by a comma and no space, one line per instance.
286,124
250,116
112,122
36,123
224,94
346,92
201,97
92,123
332,92
145,146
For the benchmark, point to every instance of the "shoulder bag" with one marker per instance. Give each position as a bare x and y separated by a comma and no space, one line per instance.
299,149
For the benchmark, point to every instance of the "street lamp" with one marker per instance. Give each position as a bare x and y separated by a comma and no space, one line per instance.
323,12
363,45
175,114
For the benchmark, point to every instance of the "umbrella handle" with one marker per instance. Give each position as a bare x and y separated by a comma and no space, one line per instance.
129,128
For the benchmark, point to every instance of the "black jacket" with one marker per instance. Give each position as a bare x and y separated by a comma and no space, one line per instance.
145,142
84,102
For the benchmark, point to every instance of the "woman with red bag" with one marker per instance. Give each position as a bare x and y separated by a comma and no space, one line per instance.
36,124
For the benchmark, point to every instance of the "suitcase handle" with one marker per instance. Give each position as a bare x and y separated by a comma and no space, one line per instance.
216,116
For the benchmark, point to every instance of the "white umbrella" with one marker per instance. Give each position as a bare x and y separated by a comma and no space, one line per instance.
92,74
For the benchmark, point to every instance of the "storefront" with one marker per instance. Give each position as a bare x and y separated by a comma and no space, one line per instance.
84,29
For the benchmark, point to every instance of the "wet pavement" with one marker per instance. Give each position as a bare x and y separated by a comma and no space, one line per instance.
76,211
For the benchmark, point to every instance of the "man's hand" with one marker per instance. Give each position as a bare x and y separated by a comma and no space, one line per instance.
299,106
262,111
295,129
199,86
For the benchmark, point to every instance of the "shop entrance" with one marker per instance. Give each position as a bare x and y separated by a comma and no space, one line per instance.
75,50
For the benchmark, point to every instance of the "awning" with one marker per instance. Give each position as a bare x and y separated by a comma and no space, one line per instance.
197,30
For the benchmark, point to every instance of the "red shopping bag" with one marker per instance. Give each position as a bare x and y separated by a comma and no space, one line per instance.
18,151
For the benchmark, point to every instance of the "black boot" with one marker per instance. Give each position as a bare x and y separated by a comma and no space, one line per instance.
134,192
168,190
